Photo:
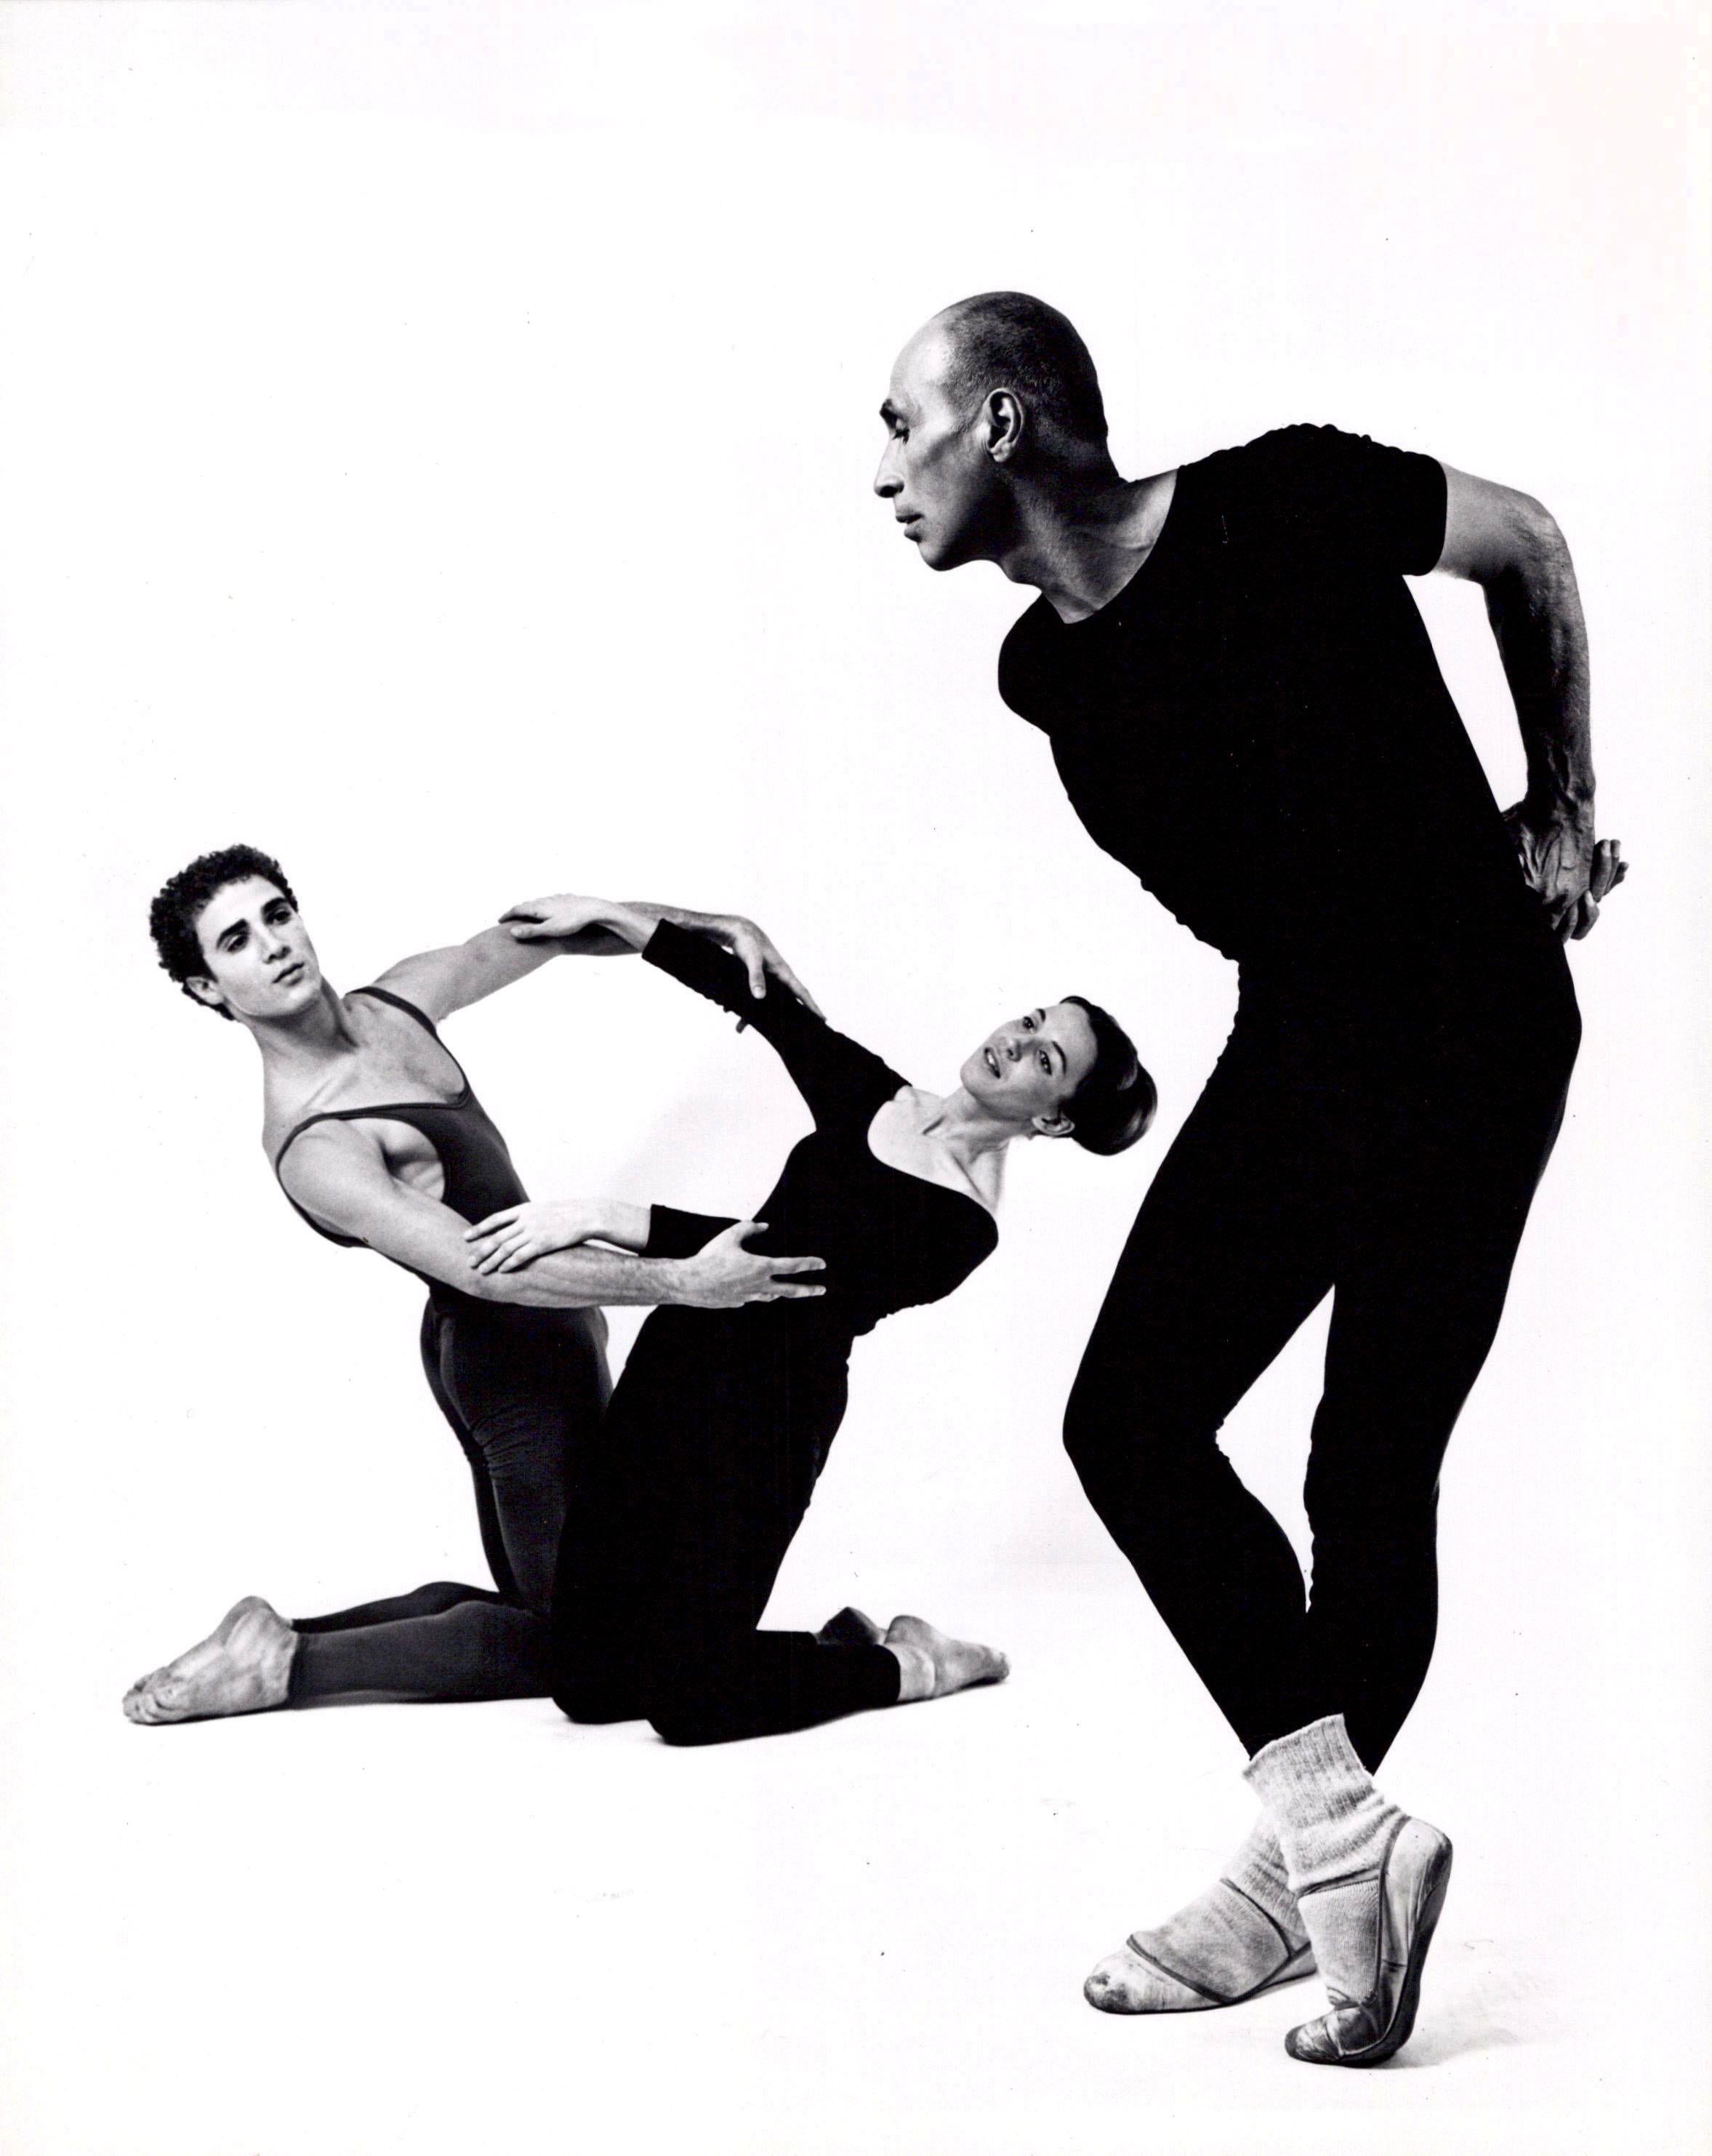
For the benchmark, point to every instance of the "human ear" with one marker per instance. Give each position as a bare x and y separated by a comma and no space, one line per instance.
203,989
1052,1127
1006,423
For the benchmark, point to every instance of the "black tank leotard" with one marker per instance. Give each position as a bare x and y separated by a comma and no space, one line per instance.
522,1389
721,1421
475,1159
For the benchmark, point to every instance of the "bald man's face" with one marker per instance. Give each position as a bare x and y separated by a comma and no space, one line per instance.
935,472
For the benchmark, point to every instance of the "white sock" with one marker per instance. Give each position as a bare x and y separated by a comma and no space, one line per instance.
1235,1940
1331,1819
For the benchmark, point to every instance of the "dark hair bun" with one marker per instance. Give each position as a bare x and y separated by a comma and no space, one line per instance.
1117,1100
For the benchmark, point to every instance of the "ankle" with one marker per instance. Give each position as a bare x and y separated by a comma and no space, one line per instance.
917,1675
1321,1800
1259,1870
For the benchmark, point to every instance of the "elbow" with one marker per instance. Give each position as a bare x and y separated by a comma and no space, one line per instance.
487,1287
1542,553
1534,576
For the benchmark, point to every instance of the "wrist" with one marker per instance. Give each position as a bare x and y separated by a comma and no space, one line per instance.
633,919
1561,802
630,1226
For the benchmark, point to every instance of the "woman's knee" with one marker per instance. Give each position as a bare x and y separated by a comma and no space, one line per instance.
686,1723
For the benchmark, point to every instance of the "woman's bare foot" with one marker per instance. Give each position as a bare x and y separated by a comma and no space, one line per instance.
851,1628
243,1666
933,1665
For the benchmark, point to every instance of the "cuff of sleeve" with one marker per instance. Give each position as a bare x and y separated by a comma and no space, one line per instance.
1427,514
667,935
675,1235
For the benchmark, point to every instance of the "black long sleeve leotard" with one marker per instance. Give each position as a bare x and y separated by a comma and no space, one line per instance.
721,1423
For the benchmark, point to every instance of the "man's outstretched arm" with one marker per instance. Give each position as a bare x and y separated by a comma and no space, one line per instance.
441,982
1511,546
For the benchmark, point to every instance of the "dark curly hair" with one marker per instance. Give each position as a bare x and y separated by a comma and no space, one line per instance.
1116,1101
173,915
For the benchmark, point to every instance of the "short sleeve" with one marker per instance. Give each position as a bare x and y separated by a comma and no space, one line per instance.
1379,507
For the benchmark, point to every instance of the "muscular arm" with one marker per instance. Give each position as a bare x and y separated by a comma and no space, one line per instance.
339,1173
1511,546
441,982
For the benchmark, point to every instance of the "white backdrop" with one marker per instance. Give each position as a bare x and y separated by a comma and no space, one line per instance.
436,446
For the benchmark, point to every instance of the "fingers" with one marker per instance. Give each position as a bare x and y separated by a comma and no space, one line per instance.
1609,868
507,1248
527,920
1585,915
783,1294
493,1224
797,1265
747,945
794,985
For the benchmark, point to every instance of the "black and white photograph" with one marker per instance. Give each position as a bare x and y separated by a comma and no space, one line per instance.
855,1126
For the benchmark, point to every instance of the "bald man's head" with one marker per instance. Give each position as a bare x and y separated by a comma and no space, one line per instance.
994,409
1012,340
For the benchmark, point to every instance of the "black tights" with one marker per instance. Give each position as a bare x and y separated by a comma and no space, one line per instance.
522,1390
685,1506
1392,1161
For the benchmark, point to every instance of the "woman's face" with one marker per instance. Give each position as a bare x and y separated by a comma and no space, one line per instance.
1027,1068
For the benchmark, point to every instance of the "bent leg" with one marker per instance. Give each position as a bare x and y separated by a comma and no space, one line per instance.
523,1391
1231,1251
685,1507
1418,1301
745,1449
519,1396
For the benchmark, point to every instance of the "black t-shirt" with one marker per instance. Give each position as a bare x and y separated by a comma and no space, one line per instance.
1256,724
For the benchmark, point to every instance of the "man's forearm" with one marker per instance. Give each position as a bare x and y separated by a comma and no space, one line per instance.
1535,612
585,1278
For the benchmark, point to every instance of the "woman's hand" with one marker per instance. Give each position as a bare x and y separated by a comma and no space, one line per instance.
516,1234
630,923
596,926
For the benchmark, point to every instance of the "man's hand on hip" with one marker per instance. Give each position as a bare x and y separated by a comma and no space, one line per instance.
1568,870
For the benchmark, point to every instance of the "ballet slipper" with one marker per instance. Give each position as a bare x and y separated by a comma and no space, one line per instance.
1371,1931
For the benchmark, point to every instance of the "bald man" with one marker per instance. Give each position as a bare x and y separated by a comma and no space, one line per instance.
1244,708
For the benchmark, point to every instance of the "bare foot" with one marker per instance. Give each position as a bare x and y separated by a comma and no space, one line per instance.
850,1628
243,1666
933,1665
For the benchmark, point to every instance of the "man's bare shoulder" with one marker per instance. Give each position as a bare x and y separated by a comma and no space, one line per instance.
338,1173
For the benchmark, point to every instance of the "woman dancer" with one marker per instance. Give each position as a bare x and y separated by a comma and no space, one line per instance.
687,1501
